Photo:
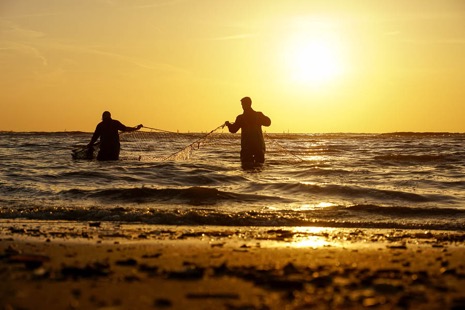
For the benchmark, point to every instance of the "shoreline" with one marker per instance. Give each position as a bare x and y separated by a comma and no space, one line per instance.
92,265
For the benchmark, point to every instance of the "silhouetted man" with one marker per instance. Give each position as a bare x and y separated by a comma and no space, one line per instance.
252,142
108,132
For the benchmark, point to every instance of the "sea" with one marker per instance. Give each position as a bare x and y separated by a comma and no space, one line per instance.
401,180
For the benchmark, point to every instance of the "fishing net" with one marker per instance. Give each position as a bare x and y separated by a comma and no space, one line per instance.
86,152
151,144
172,145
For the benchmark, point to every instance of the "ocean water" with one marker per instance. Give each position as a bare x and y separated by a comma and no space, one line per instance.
397,180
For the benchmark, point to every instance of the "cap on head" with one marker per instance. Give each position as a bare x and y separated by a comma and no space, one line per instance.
106,115
246,101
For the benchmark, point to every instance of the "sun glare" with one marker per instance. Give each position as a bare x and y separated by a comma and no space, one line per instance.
314,62
313,57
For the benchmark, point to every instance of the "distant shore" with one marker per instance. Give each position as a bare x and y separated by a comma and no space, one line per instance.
398,133
92,265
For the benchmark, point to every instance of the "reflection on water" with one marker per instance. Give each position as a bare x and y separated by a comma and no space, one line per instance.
309,242
407,180
302,237
312,158
316,206
310,237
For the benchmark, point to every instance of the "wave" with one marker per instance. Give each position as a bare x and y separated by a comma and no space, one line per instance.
319,171
412,158
192,195
408,212
276,193
356,216
351,192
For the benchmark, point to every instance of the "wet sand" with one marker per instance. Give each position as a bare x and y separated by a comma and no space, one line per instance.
94,265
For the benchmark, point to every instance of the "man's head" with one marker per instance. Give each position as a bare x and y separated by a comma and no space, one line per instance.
246,103
106,116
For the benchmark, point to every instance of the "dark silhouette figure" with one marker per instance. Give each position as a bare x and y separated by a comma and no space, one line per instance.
108,132
252,142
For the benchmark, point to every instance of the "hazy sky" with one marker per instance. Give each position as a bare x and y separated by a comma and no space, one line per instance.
311,66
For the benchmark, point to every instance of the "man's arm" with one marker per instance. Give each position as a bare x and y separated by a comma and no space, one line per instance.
95,136
233,128
265,120
121,127
133,128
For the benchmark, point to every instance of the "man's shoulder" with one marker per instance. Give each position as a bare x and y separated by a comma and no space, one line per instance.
117,123
259,114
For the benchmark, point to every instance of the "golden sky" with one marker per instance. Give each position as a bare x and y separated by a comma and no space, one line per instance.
311,66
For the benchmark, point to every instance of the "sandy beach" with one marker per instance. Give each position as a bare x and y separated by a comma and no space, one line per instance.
97,265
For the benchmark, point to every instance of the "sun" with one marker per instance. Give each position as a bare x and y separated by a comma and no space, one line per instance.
312,59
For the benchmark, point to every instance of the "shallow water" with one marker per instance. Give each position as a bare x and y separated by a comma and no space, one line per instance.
403,180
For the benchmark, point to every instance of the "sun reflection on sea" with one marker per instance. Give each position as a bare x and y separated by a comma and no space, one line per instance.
309,237
315,206
314,158
303,237
310,242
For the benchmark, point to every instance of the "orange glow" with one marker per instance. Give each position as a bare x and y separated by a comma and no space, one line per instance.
312,66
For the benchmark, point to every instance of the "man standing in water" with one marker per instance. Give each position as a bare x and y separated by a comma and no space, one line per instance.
107,131
252,142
